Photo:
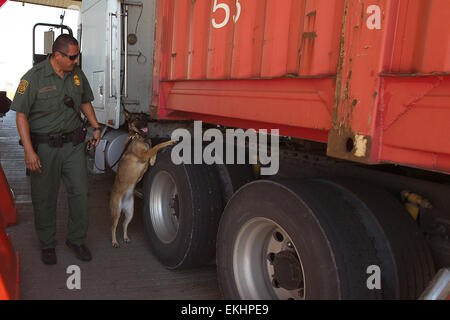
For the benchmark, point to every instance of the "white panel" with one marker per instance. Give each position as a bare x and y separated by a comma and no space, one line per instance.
95,21
140,60
95,49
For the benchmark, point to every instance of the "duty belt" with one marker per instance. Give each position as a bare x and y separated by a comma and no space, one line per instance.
54,140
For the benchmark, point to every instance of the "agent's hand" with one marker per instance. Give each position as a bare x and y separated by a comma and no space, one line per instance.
96,140
32,161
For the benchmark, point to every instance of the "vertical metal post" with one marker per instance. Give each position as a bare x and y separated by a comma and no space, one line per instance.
111,15
125,77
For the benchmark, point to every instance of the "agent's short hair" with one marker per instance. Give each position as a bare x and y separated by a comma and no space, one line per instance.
62,43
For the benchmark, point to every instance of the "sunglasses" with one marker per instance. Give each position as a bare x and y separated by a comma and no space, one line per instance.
70,57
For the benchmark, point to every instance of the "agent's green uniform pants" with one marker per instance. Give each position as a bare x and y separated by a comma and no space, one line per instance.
69,164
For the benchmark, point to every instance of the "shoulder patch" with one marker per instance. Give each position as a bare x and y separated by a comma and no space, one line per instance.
23,85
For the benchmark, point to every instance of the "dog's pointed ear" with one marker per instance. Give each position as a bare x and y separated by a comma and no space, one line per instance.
127,114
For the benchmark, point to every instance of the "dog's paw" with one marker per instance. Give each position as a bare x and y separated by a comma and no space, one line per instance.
115,245
152,160
126,240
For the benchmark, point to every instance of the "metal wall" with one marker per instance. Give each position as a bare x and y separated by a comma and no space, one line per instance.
393,95
370,78
422,37
257,39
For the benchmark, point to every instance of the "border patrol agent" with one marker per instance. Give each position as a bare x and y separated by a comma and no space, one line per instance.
48,102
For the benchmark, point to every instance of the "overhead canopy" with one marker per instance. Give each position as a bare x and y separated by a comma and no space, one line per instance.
66,4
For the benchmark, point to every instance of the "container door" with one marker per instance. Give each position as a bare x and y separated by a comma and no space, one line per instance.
101,48
137,55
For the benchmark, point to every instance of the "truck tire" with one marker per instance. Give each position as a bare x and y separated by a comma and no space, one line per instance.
305,240
404,253
182,209
232,177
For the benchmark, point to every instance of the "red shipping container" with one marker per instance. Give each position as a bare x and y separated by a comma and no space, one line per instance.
9,269
370,78
8,210
9,259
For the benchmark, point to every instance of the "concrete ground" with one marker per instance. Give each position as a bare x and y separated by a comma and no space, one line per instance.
131,272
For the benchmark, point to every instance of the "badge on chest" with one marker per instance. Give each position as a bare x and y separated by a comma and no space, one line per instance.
76,80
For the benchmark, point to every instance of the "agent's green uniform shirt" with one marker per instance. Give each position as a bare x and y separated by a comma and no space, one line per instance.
40,96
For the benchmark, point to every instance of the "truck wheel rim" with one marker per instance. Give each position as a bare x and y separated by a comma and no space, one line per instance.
266,263
164,207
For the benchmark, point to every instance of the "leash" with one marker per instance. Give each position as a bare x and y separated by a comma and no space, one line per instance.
130,139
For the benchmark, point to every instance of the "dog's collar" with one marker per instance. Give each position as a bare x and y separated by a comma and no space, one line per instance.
134,137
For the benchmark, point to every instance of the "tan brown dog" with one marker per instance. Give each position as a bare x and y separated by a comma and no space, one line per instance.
132,166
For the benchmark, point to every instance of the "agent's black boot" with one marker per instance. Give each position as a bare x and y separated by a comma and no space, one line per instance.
81,252
49,256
